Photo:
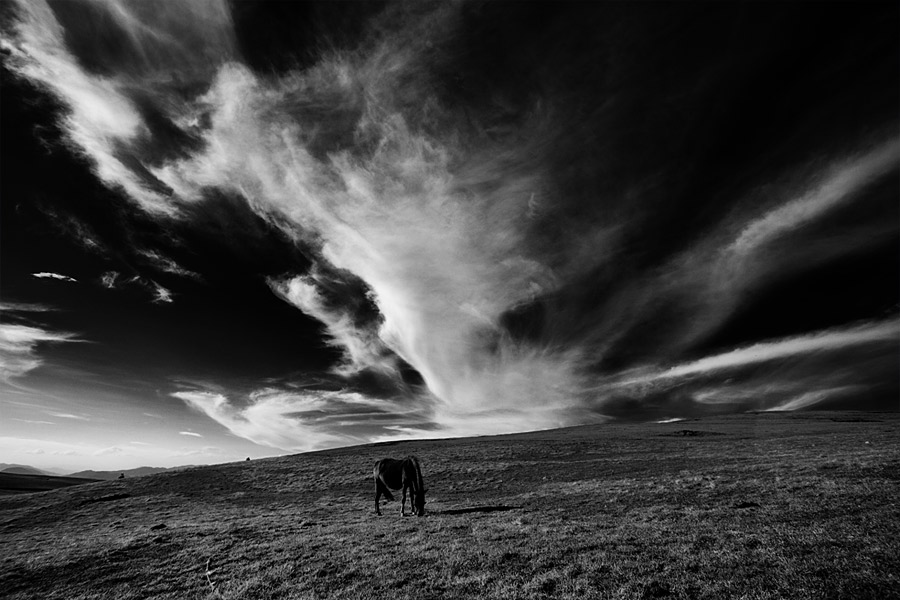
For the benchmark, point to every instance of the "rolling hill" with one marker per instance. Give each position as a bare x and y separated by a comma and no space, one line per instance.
772,505
12,482
23,470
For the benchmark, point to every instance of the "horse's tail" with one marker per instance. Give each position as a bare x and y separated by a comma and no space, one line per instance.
379,483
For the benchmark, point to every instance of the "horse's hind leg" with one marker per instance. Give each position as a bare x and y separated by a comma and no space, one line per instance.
384,490
403,503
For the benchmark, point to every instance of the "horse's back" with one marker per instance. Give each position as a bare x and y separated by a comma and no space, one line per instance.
389,471
386,464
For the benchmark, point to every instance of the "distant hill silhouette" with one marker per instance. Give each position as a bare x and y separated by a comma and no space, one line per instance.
138,472
23,470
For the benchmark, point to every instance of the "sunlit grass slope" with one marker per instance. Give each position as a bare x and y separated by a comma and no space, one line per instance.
750,506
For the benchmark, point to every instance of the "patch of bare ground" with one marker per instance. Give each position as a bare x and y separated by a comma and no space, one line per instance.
761,506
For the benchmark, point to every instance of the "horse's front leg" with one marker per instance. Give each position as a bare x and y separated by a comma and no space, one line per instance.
377,496
403,503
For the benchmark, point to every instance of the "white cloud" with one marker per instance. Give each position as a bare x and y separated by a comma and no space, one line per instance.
836,186
462,260
57,276
266,421
108,279
101,116
814,397
442,286
363,349
69,416
31,422
161,294
190,433
19,348
293,421
164,263
112,280
24,307
831,339
440,228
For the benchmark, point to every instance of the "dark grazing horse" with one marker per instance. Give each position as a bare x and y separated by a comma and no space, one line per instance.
406,474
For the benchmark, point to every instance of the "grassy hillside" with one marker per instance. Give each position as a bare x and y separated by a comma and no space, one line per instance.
20,483
751,506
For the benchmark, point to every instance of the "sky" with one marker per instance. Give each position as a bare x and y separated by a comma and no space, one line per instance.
246,229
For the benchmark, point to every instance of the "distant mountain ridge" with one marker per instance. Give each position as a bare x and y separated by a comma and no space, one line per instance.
16,469
138,472
23,470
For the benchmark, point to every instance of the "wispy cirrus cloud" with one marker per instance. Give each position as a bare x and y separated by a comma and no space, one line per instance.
19,348
836,186
166,264
76,229
516,272
363,349
69,416
102,115
24,307
161,295
56,276
810,399
109,278
832,339
34,422
852,366
190,433
295,421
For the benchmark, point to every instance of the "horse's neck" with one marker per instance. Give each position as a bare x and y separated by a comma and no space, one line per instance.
420,483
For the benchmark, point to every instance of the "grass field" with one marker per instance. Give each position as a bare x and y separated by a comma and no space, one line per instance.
19,483
799,505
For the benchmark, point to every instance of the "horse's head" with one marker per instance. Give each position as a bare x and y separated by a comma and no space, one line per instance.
419,508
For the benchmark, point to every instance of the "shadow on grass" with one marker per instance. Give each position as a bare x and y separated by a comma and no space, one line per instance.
476,509
689,433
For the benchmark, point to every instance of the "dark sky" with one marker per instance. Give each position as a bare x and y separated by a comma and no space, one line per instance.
249,228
